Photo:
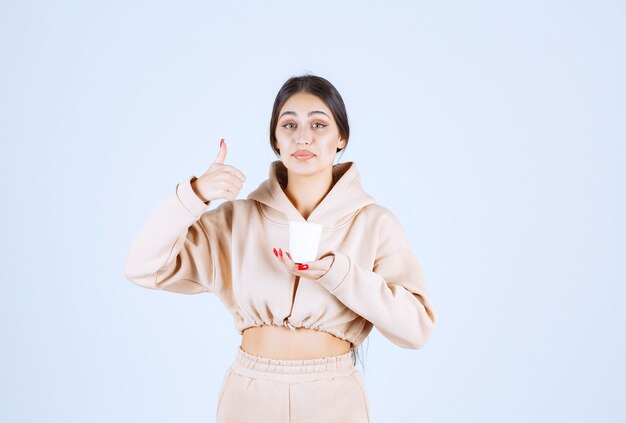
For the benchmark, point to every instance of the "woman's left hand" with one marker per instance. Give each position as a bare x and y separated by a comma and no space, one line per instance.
311,270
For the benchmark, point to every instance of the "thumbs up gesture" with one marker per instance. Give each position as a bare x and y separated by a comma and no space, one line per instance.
220,180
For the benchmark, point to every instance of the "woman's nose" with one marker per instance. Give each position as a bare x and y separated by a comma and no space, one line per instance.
304,137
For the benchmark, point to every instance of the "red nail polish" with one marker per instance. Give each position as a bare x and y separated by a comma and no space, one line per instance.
303,266
275,252
221,142
281,251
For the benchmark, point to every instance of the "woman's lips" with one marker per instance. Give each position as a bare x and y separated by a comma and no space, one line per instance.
303,156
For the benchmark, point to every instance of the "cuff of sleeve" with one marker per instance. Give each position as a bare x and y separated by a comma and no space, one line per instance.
337,272
189,199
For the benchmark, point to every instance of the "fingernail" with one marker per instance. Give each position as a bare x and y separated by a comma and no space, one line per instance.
303,266
275,252
281,251
222,142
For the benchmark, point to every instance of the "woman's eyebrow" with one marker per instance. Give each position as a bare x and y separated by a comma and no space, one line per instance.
310,113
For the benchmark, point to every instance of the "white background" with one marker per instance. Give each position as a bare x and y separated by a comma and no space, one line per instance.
494,131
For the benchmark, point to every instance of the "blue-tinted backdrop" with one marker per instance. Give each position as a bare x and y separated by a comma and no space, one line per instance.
494,130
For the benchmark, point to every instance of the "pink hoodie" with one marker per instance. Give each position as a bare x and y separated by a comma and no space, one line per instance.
375,279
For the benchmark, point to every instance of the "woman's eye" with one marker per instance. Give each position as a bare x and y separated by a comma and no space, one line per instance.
287,125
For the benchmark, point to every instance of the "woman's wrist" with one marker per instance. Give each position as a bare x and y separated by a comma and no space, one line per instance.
193,187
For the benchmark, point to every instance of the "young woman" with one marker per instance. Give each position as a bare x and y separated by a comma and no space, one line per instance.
300,322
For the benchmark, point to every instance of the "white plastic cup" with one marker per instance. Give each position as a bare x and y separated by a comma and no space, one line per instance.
304,240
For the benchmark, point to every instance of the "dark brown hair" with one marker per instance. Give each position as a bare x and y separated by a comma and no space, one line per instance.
319,87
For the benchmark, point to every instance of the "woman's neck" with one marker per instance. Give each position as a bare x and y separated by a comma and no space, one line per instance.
307,191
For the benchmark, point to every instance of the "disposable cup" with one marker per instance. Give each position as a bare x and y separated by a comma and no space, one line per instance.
304,240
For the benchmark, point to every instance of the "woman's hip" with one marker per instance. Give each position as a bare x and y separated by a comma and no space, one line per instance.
259,389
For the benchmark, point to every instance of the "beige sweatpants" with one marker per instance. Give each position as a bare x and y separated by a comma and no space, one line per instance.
263,390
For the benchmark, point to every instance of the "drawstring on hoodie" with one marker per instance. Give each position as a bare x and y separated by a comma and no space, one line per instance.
287,324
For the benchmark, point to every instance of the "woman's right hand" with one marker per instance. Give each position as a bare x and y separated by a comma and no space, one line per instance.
220,180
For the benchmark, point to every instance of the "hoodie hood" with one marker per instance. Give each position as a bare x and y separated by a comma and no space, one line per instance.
344,199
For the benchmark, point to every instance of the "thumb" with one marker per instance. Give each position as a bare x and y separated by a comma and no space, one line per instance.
221,155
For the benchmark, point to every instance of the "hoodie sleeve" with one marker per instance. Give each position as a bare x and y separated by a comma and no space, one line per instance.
392,295
181,247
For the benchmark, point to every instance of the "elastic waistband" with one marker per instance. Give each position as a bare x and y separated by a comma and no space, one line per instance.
250,365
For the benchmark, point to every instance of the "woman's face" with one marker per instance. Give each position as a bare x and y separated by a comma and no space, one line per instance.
305,123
